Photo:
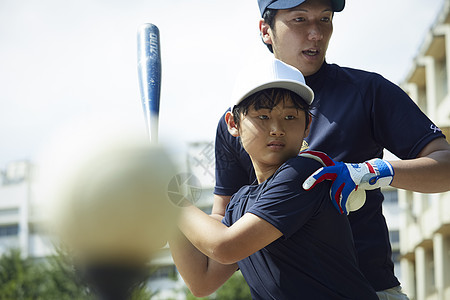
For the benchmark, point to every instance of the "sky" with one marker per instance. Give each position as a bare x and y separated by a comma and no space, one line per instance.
65,61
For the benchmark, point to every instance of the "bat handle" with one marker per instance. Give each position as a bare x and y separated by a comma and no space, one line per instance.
152,128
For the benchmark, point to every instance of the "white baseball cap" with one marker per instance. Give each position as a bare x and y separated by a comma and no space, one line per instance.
270,73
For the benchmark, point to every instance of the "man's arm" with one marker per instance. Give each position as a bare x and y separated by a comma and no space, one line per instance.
219,206
428,173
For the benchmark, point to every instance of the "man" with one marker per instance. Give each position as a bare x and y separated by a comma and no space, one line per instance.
289,243
356,115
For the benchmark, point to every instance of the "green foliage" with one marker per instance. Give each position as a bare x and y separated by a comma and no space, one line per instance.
27,278
235,288
13,276
55,278
52,278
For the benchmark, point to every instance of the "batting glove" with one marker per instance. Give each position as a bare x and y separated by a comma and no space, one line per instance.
349,180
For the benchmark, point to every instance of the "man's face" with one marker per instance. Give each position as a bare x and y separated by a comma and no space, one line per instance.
300,35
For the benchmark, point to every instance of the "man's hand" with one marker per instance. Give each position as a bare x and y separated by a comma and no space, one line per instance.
349,180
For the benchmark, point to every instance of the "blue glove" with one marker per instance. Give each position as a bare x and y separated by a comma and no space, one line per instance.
350,180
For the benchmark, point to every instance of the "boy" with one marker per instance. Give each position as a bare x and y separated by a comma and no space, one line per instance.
288,243
358,114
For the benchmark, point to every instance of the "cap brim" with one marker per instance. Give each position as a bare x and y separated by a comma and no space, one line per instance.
285,4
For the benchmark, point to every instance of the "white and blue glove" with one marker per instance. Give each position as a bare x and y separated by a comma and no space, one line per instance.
349,180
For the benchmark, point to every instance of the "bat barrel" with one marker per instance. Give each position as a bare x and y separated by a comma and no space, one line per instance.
149,71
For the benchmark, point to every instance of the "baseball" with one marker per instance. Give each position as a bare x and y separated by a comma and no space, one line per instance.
356,200
106,194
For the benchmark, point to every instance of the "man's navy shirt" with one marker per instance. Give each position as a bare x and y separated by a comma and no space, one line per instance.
356,114
315,258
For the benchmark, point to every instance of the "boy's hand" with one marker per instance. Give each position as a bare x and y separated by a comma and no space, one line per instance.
349,180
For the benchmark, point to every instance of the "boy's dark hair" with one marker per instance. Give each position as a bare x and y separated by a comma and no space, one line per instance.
269,98
269,19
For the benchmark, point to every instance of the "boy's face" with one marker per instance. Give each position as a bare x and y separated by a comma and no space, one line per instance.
300,35
272,136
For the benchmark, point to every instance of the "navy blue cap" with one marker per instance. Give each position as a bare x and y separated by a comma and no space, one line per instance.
337,5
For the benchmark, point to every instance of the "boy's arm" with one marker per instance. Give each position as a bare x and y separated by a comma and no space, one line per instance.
226,245
201,274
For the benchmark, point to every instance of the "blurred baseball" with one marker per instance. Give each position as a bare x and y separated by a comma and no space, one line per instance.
106,193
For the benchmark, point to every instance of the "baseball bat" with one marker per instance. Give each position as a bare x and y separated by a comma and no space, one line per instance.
149,71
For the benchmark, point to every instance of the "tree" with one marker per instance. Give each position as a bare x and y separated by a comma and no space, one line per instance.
28,278
48,279
16,277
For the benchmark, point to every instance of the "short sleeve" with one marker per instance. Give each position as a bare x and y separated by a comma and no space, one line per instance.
398,123
284,203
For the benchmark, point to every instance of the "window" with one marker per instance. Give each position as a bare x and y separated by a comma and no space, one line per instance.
9,230
394,236
390,197
9,212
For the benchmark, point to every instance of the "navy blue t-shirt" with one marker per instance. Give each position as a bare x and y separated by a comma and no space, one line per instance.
357,114
315,258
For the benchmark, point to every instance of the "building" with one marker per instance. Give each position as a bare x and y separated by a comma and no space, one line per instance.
425,218
391,212
20,217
